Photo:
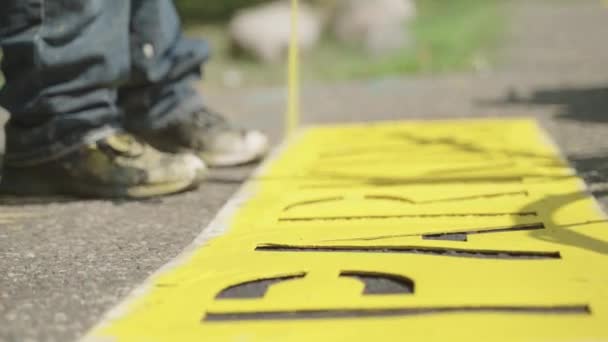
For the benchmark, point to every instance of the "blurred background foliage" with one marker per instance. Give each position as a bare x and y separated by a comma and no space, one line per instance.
217,11
198,10
449,35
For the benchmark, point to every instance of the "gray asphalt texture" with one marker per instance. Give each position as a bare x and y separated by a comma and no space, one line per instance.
63,263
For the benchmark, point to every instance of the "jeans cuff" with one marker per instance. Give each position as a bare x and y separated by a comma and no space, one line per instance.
180,112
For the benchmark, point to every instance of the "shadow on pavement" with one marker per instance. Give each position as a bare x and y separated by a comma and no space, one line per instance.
594,170
578,104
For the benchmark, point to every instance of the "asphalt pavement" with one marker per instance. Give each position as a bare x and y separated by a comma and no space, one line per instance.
65,262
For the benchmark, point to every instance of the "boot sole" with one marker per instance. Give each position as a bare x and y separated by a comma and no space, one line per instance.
37,188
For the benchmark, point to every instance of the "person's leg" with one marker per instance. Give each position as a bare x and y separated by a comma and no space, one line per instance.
161,101
63,61
165,68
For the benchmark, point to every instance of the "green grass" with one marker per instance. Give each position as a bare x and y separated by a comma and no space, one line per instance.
449,35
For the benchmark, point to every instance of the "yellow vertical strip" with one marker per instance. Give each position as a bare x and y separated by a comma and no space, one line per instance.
293,74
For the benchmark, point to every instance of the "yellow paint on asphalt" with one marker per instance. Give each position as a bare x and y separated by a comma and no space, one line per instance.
12,217
470,230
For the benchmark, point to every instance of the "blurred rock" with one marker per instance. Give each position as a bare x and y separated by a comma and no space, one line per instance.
232,78
481,64
264,31
380,26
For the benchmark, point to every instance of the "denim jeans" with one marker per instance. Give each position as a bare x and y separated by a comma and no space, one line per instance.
79,70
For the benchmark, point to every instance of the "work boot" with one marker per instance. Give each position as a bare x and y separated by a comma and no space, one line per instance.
117,166
212,138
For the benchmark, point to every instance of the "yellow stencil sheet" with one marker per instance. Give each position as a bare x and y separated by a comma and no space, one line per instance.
425,231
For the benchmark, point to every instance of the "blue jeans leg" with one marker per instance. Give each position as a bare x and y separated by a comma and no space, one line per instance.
63,61
165,66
